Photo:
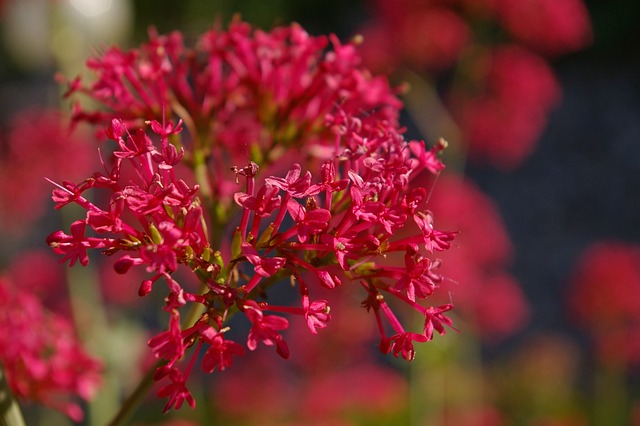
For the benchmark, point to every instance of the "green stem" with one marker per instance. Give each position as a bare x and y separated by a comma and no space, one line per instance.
10,414
135,399
611,400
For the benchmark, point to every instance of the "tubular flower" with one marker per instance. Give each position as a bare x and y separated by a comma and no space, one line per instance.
257,100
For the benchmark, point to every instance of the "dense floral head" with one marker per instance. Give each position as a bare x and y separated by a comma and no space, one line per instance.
243,94
300,177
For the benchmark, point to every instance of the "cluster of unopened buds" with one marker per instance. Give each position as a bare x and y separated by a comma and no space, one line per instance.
350,213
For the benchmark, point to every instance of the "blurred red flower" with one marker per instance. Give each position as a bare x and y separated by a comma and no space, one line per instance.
604,298
551,27
503,120
41,355
37,144
488,297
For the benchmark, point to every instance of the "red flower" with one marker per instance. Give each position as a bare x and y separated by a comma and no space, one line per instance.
418,277
434,319
309,222
263,203
293,184
176,391
263,266
433,238
402,343
266,328
169,344
74,246
221,351
317,314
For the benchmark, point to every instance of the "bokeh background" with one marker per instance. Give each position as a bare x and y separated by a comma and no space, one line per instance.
551,328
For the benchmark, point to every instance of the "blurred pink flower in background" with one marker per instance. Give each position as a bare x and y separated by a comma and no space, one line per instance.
422,35
504,117
40,353
604,299
488,59
489,298
550,27
37,144
49,283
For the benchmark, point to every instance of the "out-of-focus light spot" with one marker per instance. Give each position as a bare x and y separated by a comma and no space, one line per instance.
91,7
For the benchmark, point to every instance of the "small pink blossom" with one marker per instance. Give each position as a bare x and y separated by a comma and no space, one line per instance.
436,320
169,345
74,246
317,315
402,344
220,354
176,391
264,266
266,328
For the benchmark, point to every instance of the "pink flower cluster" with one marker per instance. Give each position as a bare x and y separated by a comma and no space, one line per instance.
241,93
493,55
326,175
40,353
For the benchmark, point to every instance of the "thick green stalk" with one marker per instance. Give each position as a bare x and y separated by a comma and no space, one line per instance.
10,414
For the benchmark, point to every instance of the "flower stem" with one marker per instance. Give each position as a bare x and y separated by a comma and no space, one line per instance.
10,414
135,399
